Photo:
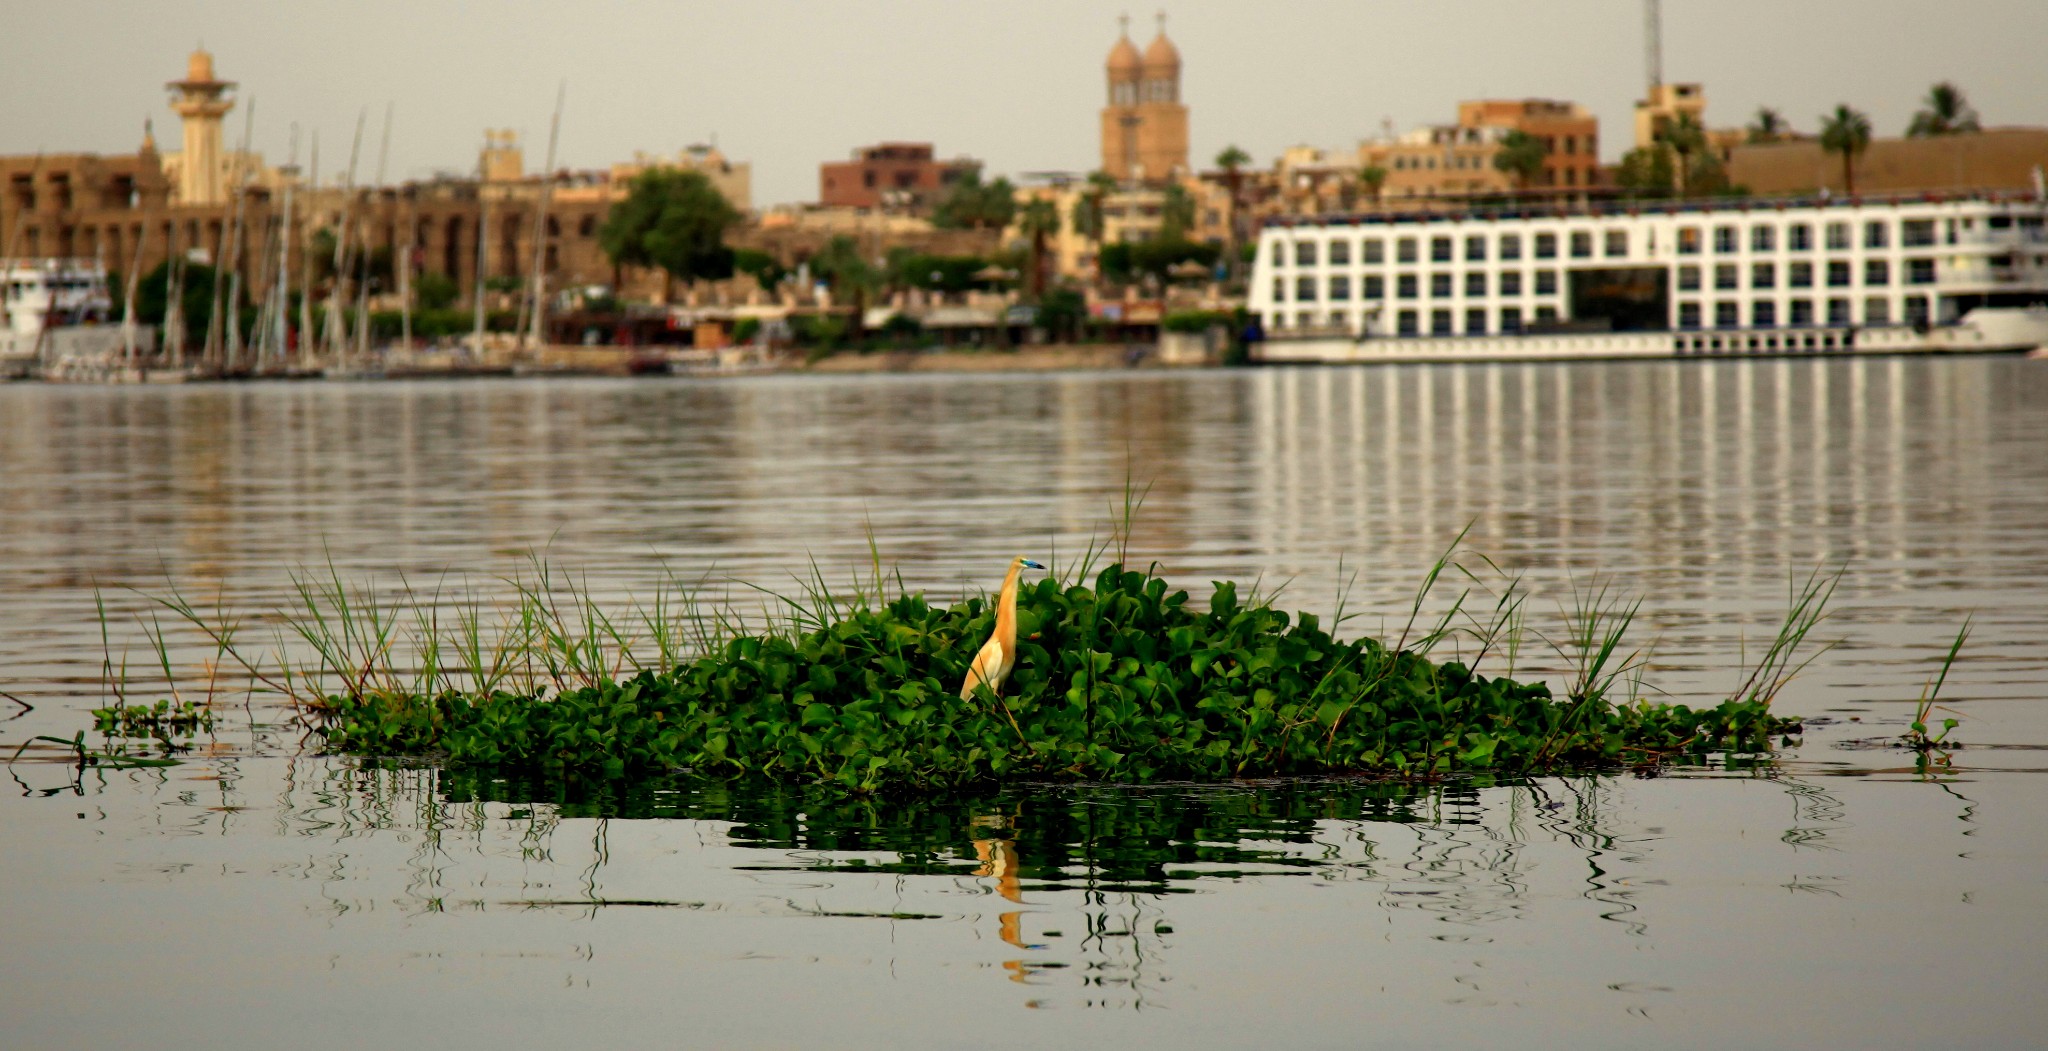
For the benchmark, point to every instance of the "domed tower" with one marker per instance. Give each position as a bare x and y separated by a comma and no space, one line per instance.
1144,127
201,101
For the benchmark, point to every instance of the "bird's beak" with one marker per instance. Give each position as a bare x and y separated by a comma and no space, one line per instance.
1028,564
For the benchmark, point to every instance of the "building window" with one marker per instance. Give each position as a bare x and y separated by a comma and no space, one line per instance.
1688,240
1279,254
1375,250
1838,311
1439,249
1838,237
1375,287
1916,233
1838,273
1404,250
1440,286
1877,310
1279,290
1727,315
1763,314
1511,282
1919,271
1916,310
1439,322
1406,286
1340,253
1799,237
1305,319
1407,324
1763,275
1511,320
1763,238
1475,321
1727,275
1689,278
1304,289
1510,247
1724,239
1876,233
1582,244
1799,275
1802,312
1277,322
1689,315
1877,273
1475,283
1617,244
1340,289
1546,282
1304,253
1475,249
1546,246
1339,319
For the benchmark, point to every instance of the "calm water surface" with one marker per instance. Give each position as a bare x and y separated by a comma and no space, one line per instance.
261,895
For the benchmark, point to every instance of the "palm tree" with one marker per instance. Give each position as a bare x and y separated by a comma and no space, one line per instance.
1768,126
1947,112
1232,160
1176,213
1847,132
1038,220
1520,156
1685,138
1370,179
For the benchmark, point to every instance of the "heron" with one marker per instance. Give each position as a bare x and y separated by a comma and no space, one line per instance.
992,665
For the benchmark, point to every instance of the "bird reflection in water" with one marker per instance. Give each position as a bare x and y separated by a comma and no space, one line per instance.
996,848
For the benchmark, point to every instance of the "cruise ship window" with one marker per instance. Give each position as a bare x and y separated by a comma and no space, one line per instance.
1340,252
1546,282
1546,314
1876,233
1340,289
1439,322
1277,322
1440,286
1546,246
1799,275
1876,272
1304,289
1407,324
1763,314
1375,287
1799,237
1838,236
1475,322
1727,275
1688,315
1339,319
1439,249
1279,254
1375,250
1763,275
1511,319
1475,249
1916,233
1617,244
1475,283
1304,253
1838,273
1405,286
1724,239
1763,238
1279,290
1306,319
1919,271
1688,278
1916,310
1802,311
1877,310
1404,250
1510,247
1727,315
1582,244
1511,282
1838,311
1688,240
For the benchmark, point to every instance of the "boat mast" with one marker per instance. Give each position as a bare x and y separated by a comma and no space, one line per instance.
134,277
280,291
338,298
363,269
306,258
483,228
537,290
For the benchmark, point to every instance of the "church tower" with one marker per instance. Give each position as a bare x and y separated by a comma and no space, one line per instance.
201,101
1144,127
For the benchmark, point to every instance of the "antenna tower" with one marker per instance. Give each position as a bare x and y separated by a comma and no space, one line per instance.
1653,44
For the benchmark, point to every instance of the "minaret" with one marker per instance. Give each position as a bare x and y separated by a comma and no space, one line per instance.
1144,126
201,101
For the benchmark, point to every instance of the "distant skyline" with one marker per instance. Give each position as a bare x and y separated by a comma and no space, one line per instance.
786,85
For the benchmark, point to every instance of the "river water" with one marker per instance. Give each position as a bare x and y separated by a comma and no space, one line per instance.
261,895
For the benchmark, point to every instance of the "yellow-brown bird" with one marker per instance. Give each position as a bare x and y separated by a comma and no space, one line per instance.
992,665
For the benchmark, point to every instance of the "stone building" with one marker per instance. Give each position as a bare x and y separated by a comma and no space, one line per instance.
1145,124
2009,159
890,174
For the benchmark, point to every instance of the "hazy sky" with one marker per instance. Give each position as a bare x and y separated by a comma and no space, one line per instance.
789,83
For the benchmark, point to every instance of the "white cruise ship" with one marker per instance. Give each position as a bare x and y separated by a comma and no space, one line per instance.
56,314
1659,279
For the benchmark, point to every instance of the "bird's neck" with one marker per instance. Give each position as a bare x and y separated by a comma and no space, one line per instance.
1006,609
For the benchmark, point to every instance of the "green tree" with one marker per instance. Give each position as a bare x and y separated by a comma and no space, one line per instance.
1946,112
1125,261
671,219
1768,126
435,290
1176,213
153,297
1683,136
852,277
1232,160
974,205
1371,179
1062,312
1039,220
1646,171
1088,213
764,267
1845,131
1520,157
